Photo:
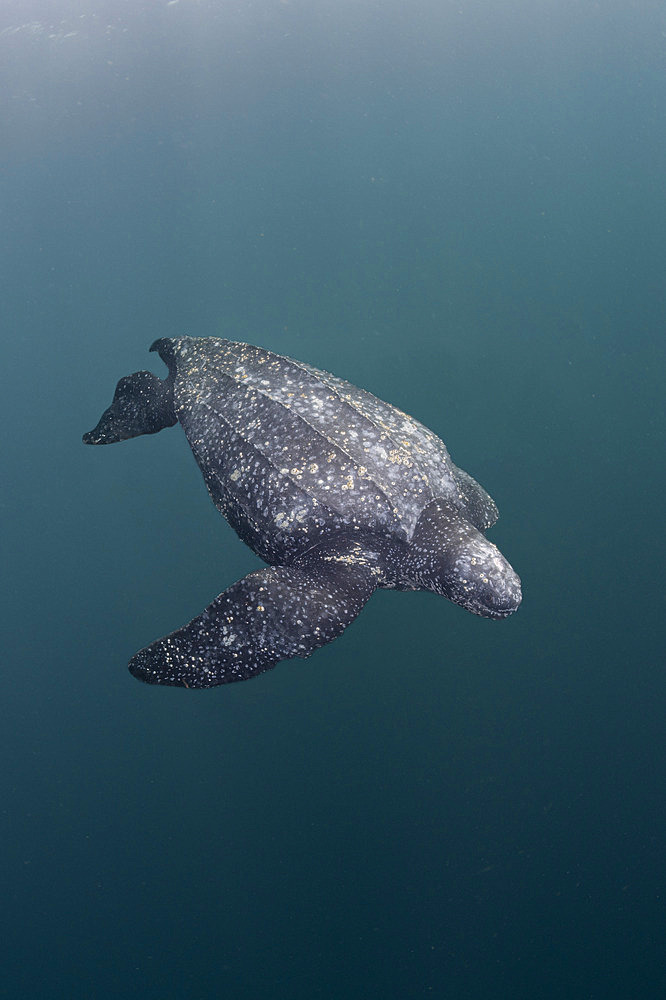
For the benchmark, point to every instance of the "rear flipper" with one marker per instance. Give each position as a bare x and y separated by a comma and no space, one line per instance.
142,404
270,615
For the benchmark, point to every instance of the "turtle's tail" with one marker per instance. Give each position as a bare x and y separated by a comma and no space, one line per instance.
142,404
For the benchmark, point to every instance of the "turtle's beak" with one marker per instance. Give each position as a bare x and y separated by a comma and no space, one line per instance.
492,584
503,597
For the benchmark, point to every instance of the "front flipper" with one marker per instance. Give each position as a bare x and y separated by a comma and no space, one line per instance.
480,508
270,615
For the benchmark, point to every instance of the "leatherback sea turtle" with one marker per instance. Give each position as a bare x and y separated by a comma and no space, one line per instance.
338,491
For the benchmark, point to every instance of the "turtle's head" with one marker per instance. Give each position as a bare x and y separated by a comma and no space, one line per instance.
450,556
481,580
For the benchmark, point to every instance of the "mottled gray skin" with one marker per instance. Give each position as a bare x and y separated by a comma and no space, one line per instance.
338,491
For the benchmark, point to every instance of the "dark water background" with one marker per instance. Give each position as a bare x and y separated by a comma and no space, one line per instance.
462,207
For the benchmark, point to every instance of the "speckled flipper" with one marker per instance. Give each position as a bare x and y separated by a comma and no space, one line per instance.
142,404
270,615
479,506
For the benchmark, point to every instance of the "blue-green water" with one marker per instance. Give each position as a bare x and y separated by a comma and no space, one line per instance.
460,206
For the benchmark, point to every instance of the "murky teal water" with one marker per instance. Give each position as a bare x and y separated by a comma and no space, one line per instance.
460,207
